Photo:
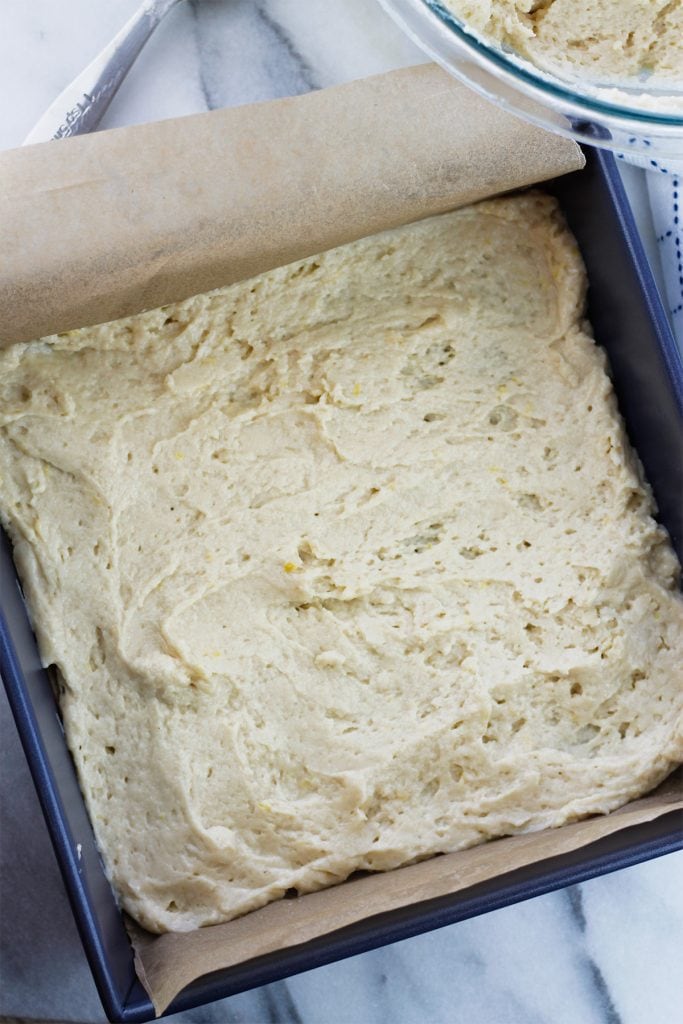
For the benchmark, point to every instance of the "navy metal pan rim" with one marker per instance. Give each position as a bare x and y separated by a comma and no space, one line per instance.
99,922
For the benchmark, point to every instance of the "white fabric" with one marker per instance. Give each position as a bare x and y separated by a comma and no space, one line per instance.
665,191
664,187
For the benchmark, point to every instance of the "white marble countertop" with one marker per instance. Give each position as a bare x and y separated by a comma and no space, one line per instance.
600,953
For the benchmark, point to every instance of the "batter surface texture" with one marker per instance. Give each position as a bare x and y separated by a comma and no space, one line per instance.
604,40
343,566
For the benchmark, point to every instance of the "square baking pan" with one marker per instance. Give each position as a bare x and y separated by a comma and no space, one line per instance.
647,369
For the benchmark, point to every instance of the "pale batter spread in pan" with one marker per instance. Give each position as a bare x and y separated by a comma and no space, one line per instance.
344,565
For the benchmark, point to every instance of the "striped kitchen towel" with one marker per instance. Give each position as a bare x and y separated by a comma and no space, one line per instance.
665,190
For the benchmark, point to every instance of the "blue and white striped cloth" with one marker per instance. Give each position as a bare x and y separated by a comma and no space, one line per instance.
666,202
665,190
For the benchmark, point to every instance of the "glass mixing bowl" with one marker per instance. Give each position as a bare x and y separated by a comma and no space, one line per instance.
601,115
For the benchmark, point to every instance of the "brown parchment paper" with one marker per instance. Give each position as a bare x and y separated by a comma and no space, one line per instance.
167,963
101,226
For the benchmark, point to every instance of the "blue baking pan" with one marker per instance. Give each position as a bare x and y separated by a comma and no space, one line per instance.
630,323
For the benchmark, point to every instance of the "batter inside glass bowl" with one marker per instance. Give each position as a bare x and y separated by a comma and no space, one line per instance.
606,41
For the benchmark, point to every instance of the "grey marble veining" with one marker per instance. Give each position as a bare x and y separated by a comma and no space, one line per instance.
605,952
246,55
